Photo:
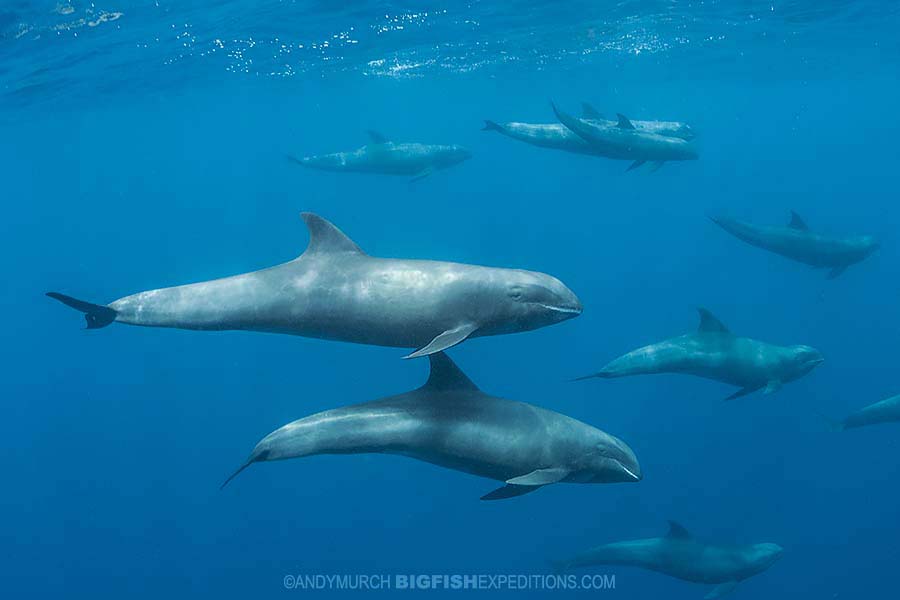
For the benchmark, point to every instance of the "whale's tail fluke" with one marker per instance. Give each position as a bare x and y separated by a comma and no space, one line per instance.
597,375
255,457
97,316
491,126
303,162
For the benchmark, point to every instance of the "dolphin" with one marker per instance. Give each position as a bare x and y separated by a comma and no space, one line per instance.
682,556
624,141
886,411
559,137
798,243
713,352
449,422
335,291
389,158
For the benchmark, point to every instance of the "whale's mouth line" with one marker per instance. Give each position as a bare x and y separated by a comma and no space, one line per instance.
561,309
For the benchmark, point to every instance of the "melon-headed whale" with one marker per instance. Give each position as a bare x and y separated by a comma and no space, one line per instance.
797,242
559,137
451,423
681,555
885,411
385,157
624,141
713,352
335,291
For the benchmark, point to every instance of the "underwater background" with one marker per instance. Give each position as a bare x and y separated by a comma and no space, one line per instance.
144,145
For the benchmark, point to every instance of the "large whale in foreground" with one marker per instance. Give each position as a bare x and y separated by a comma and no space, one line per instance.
682,556
885,411
385,157
451,423
797,242
557,136
713,352
335,291
624,141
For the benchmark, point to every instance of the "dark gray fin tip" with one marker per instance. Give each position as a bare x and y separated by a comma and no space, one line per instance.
710,323
797,222
676,530
255,458
635,165
97,316
597,375
446,375
376,137
589,112
510,490
491,126
623,123
324,236
296,160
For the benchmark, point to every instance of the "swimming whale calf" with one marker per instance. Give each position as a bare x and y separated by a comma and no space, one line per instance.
886,411
713,352
798,243
625,142
681,555
389,158
559,137
451,423
335,291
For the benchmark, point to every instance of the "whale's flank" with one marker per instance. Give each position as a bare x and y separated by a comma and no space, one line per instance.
97,316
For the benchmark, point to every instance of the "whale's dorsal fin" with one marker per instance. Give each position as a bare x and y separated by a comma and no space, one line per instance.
709,323
445,376
589,112
325,237
677,531
624,123
377,138
797,222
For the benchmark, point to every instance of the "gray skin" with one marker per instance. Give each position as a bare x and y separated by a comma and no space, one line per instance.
797,242
559,137
449,422
713,352
389,158
886,411
335,291
682,556
625,142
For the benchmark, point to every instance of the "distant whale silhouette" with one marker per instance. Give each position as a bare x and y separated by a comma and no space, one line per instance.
682,556
335,291
713,352
385,157
451,423
559,137
886,411
625,142
798,243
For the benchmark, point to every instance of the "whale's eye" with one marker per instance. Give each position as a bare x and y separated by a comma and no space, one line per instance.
516,292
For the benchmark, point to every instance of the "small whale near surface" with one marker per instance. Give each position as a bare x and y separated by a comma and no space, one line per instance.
713,352
884,411
680,555
451,423
797,242
335,291
385,157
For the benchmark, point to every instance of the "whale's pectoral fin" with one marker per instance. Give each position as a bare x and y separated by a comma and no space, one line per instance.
772,387
624,123
635,165
721,590
836,272
448,339
97,316
510,491
657,165
541,477
742,392
422,174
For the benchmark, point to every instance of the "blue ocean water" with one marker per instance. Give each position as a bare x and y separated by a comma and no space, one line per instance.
144,146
